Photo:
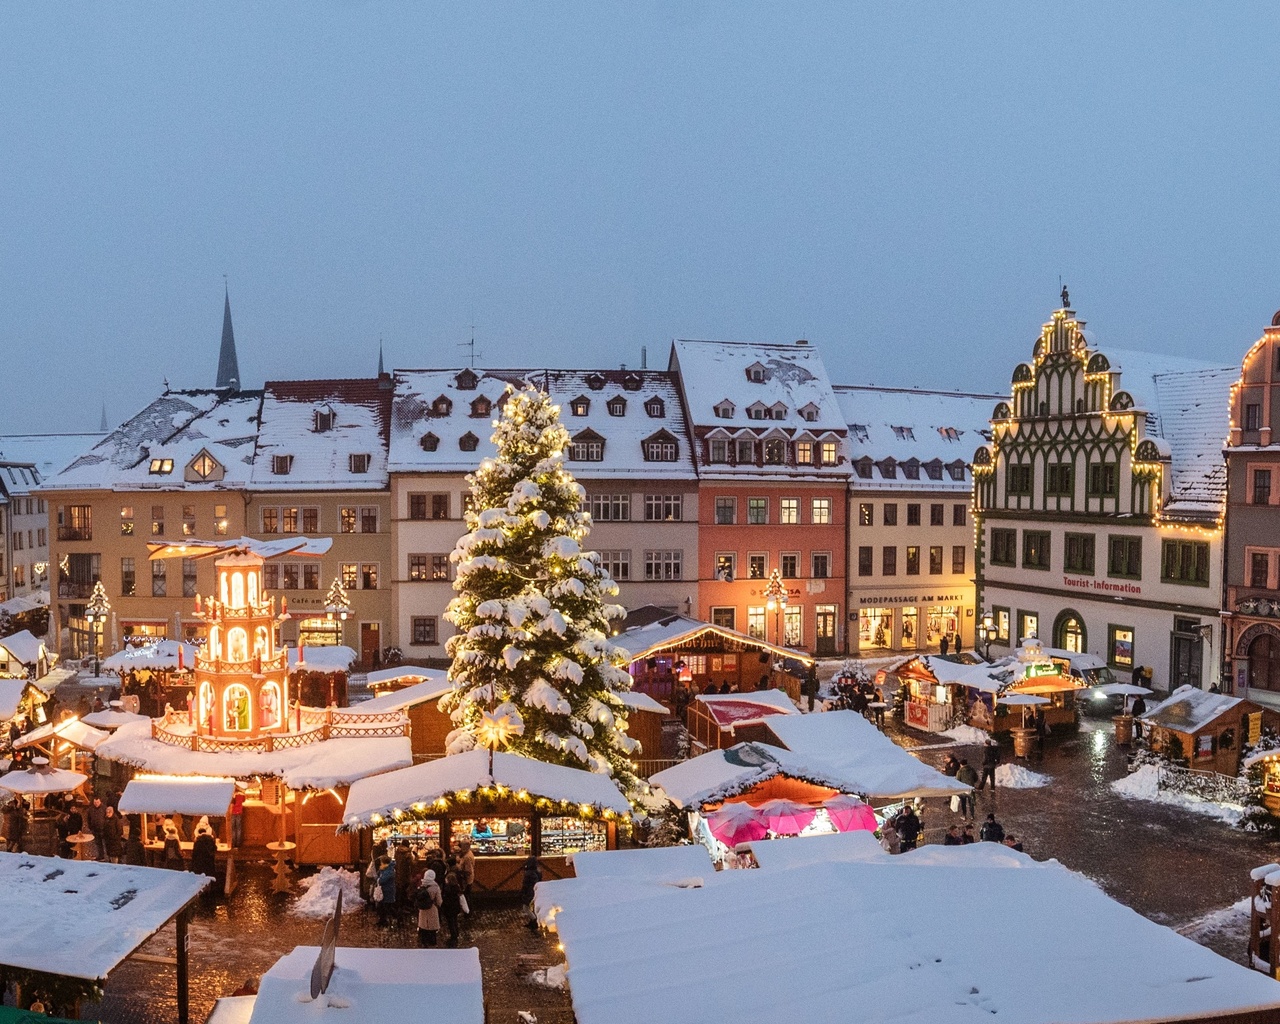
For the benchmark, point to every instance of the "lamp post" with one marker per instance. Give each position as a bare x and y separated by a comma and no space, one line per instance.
987,631
337,607
95,614
775,593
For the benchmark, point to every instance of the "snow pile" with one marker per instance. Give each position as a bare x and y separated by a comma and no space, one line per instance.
1014,776
1144,784
321,890
968,734
549,977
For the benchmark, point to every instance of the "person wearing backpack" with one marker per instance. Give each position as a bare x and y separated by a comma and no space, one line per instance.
992,831
451,906
969,777
428,902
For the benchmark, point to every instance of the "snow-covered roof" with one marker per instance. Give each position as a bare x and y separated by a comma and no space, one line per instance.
676,629
984,677
428,782
168,436
899,959
637,701
329,658
725,382
1194,422
410,673
24,646
320,425
41,779
322,765
1189,708
390,986
71,730
734,709
407,696
439,426
18,478
80,919
787,852
909,432
159,655
167,794
11,693
659,863
51,453
111,719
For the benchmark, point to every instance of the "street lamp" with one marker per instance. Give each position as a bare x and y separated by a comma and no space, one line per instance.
775,593
336,605
987,631
95,614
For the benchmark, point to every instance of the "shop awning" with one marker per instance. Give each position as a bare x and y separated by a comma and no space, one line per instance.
679,632
168,794
73,730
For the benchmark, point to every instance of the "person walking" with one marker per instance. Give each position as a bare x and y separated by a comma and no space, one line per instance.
112,838
1139,709
943,644
428,902
969,777
909,828
529,880
451,907
990,760
384,892
172,847
237,819
992,831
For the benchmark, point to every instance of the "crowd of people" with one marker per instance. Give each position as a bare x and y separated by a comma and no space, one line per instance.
433,888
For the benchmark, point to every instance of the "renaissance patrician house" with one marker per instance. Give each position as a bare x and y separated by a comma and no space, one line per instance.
1099,504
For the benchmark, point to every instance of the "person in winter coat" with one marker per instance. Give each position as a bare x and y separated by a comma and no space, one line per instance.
386,898
909,828
204,853
950,766
451,906
990,759
435,862
134,851
969,777
404,875
966,836
1012,842
237,819
889,839
172,848
112,838
1139,709
466,865
529,880
428,903
992,831
953,837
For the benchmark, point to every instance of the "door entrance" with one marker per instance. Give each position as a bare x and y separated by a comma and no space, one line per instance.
1184,668
370,645
825,630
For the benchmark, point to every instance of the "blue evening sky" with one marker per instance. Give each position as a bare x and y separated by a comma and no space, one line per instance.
902,184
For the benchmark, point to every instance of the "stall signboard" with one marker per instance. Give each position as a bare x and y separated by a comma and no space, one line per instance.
1255,728
917,714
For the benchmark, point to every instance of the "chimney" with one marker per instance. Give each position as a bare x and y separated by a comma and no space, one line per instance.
644,357
803,341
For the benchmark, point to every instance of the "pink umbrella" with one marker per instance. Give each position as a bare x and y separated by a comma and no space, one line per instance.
736,823
786,817
849,814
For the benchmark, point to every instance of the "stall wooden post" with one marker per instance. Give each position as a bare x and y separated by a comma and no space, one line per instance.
184,946
535,835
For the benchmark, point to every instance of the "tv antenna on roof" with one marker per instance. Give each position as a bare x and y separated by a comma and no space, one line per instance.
472,346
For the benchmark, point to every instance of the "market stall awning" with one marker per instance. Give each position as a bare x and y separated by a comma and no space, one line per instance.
679,632
41,780
166,794
404,675
81,919
415,789
732,709
11,693
637,701
72,730
112,718
294,546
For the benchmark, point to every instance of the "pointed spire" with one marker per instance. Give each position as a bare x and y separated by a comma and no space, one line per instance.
228,365
381,371
102,424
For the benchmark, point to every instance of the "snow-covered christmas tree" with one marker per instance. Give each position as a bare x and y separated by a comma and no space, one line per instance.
532,651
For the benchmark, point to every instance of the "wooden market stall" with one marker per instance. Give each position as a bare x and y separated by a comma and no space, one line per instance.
156,674
25,655
506,806
318,676
70,739
722,720
938,691
22,701
187,798
646,720
385,680
1208,730
419,702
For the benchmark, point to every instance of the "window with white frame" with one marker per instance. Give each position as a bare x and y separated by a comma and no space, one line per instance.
663,565
789,511
609,508
662,508
821,511
618,563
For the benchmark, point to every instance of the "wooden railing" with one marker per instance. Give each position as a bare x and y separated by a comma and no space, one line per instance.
319,724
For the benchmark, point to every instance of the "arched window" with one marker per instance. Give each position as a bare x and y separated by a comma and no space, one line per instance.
253,589
237,590
226,594
1264,662
261,642
235,709
1069,632
270,706
206,705
215,644
237,644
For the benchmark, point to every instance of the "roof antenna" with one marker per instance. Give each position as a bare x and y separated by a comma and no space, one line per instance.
472,346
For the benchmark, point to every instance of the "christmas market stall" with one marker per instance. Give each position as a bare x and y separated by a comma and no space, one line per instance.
646,718
1030,671
110,718
318,675
678,655
716,721
386,680
22,701
24,655
429,727
184,800
507,806
33,784
70,739
937,691
1209,731
154,674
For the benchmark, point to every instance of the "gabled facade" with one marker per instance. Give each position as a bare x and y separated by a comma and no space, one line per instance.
1098,505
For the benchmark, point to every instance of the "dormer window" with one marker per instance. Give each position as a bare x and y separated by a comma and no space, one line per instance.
810,412
632,382
655,407
775,452
904,433
468,442
595,382
429,442
617,406
481,408
859,431
957,471
863,468
911,469
755,373
325,419
933,470
160,467
724,411
587,446
661,447
778,411
466,380
757,411
281,465
580,406
442,406
746,451
358,462
888,469
804,453
204,465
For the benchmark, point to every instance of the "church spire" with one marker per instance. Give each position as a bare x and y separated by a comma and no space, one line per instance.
381,371
228,365
102,424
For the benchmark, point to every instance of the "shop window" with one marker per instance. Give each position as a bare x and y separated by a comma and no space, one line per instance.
940,621
910,626
875,628
793,626
756,623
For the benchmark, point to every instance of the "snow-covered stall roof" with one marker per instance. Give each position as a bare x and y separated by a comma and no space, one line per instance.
25,603
322,765
297,546
408,673
988,678
934,429
1190,708
637,701
405,697
75,731
334,433
425,783
855,748
11,693
41,780
169,435
658,864
389,986
733,709
112,718
330,658
785,386
673,630
81,919
167,794
24,647
50,453
899,959
788,852
157,656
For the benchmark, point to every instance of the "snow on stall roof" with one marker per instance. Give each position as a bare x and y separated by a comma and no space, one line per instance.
159,654
899,959
50,453
427,782
330,658
658,864
405,697
387,986
111,719
232,1010
72,730
383,676
178,425
360,426
789,852
1189,708
734,709
322,765
675,629
80,919
11,691
637,701
187,794
24,646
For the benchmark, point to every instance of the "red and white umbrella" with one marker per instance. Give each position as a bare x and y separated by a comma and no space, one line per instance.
849,814
786,817
735,823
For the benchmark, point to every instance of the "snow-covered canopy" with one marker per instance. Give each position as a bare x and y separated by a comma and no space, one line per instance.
167,794
673,631
797,851
41,780
72,730
331,658
424,784
157,656
406,697
321,765
110,719
734,709
80,919
1190,708
11,694
25,603
404,675
23,647
1061,952
389,986
293,546
637,701
660,863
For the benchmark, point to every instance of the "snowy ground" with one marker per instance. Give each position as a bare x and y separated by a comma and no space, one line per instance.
1015,776
1144,785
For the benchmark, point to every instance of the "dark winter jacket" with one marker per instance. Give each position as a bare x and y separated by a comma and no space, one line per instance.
531,877
909,827
991,832
450,899
990,755
967,775
204,855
